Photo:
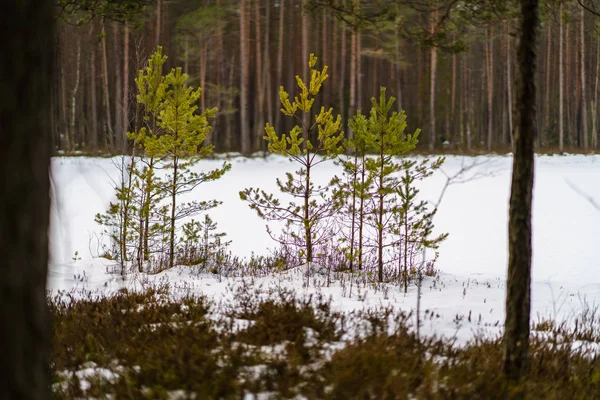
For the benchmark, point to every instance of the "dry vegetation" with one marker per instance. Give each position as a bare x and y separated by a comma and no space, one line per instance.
153,344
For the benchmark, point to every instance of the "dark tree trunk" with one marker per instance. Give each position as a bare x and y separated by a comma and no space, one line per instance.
26,79
244,77
518,286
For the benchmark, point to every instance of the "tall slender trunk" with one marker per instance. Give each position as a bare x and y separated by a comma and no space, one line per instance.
71,133
220,72
568,84
361,210
203,72
173,209
267,70
452,124
246,144
125,123
342,82
259,116
380,216
158,23
108,118
305,57
490,85
518,286
469,109
307,222
546,126
359,73
325,39
595,103
280,57
118,100
229,116
462,101
584,121
432,81
561,83
352,86
93,97
27,72
509,85
63,99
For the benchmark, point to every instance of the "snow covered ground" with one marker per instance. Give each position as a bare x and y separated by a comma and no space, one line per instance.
469,294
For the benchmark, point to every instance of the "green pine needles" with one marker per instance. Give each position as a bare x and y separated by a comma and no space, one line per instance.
172,140
371,216
307,214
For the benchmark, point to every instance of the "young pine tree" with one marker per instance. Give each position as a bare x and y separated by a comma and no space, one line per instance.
385,137
352,192
315,206
181,143
414,220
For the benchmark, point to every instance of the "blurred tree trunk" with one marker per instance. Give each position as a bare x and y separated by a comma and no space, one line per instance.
280,60
26,74
158,26
118,99
546,126
70,134
432,81
244,77
305,68
93,97
518,286
259,117
107,116
595,103
584,121
489,58
352,72
125,115
561,84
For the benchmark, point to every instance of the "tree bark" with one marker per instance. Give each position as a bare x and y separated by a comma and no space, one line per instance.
518,286
259,116
352,86
26,75
71,132
546,127
490,86
244,78
280,59
108,118
125,112
509,85
584,121
432,81
158,23
561,84
118,98
595,103
93,97
305,68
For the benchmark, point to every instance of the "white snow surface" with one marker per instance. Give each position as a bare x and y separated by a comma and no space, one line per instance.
472,261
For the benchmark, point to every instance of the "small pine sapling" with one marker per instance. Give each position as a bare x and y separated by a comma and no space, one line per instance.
182,143
385,137
414,220
352,191
316,207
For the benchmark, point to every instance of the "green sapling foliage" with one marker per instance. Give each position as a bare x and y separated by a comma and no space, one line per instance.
414,220
310,214
385,136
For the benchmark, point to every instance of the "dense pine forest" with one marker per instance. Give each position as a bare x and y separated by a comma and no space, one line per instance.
450,64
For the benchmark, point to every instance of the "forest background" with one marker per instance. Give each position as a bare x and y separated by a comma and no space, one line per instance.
450,64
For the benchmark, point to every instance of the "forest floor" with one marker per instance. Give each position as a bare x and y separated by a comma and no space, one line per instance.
318,333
